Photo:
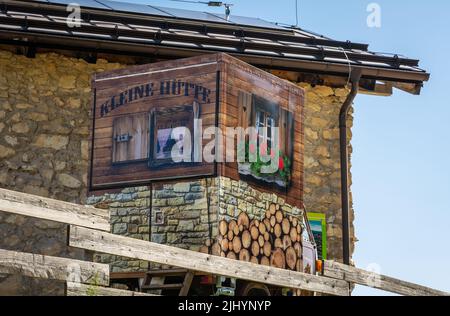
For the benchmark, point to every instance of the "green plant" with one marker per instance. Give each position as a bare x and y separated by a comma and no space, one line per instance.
284,162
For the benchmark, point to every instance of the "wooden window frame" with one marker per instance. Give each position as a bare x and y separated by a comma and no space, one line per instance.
167,114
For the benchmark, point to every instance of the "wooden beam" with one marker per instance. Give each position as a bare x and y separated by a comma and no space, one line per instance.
341,271
53,268
384,90
187,283
53,210
143,250
79,289
413,88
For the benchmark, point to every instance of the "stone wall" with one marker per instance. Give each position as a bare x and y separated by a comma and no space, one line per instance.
238,196
44,128
44,143
322,161
187,219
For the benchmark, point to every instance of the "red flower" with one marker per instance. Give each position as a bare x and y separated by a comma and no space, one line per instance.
280,163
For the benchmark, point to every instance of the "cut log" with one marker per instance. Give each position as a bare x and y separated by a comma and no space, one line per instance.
273,220
279,216
233,226
215,249
299,229
266,236
262,228
267,223
267,215
236,230
224,244
272,208
255,248
291,258
294,221
293,234
230,235
287,242
231,255
237,244
254,260
267,249
261,240
243,220
278,259
244,255
254,232
277,230
230,246
223,227
256,223
299,265
246,239
298,249
285,226
265,261
278,243
223,254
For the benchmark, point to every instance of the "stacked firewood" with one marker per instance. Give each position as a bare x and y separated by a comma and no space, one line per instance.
274,240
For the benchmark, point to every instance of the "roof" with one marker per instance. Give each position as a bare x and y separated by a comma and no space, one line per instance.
119,27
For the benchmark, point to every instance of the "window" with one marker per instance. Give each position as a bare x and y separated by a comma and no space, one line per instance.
264,124
164,121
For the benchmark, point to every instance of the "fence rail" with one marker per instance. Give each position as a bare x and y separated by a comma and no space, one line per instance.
79,289
53,268
358,276
89,229
93,240
54,210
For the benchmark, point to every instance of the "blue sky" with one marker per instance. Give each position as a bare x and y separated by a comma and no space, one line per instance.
401,165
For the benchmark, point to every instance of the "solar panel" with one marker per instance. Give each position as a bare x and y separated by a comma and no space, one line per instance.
242,20
168,12
193,15
132,7
82,3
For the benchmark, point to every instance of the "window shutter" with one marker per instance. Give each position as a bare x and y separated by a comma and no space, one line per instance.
245,109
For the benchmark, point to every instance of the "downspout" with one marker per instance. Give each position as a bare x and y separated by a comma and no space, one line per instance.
355,76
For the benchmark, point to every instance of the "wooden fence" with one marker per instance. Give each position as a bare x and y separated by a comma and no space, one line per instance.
90,230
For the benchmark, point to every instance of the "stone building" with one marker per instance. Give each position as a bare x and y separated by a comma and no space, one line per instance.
45,120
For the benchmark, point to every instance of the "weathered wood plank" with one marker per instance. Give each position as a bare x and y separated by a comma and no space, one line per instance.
143,250
341,271
53,210
79,289
53,268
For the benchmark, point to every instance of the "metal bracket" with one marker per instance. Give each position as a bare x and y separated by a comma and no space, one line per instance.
124,138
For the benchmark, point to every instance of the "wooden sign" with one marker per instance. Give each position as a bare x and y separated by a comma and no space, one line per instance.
135,113
166,120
